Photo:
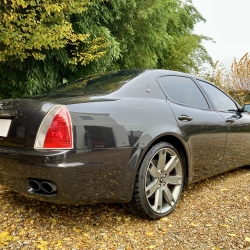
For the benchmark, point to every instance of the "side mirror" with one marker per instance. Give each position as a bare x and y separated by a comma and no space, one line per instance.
246,108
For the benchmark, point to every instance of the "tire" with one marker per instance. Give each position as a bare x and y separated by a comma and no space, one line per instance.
158,184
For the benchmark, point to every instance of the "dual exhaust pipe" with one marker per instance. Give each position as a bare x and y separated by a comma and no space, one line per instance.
48,187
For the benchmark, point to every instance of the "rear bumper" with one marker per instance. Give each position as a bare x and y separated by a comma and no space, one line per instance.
81,177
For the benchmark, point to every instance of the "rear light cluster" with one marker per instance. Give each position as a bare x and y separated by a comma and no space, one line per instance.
55,131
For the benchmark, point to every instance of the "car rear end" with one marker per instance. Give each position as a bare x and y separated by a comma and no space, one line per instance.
39,157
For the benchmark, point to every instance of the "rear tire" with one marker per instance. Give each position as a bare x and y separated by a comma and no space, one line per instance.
158,184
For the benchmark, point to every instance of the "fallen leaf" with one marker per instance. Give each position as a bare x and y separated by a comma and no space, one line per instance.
233,235
42,244
22,232
224,225
130,233
58,244
194,225
165,219
247,239
66,239
86,235
77,230
5,236
151,247
149,233
53,220
208,225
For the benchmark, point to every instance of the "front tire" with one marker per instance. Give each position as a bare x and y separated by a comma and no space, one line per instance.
158,184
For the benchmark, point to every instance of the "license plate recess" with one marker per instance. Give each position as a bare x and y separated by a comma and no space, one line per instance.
4,127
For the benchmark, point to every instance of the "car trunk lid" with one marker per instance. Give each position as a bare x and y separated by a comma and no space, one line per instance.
16,117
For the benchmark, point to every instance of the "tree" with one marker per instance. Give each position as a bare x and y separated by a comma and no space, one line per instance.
151,33
31,28
38,44
45,42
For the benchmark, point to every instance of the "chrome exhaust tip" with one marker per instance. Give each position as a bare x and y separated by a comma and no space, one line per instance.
35,185
48,187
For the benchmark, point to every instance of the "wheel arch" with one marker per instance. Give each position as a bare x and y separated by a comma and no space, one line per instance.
179,144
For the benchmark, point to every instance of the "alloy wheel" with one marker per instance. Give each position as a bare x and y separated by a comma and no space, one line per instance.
163,182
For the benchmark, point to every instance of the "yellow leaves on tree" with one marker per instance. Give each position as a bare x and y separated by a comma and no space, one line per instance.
30,27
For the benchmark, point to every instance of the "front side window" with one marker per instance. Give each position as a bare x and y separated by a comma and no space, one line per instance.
221,101
183,90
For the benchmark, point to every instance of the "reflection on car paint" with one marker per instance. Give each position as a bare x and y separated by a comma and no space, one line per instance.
133,137
109,135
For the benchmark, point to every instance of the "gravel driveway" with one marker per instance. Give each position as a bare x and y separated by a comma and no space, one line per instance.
212,214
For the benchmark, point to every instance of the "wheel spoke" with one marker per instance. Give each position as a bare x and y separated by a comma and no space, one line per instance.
152,187
153,170
173,180
162,160
171,164
158,200
168,196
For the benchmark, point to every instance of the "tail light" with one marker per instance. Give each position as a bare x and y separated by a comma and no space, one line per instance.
55,131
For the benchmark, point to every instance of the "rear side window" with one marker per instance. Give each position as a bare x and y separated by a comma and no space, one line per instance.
221,101
183,90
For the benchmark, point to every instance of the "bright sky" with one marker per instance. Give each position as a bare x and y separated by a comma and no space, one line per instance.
228,24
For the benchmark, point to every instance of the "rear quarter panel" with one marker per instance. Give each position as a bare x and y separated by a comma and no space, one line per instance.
128,127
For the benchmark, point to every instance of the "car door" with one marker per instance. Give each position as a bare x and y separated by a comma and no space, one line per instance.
203,128
237,151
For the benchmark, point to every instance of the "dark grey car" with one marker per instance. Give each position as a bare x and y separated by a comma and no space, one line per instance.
137,137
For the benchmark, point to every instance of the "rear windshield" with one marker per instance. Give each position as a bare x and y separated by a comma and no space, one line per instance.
98,84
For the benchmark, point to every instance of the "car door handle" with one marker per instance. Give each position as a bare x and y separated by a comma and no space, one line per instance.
233,118
185,118
230,120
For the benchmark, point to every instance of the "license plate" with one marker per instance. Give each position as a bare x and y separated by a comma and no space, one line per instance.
4,127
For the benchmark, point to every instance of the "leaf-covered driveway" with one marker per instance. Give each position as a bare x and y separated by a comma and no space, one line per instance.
213,214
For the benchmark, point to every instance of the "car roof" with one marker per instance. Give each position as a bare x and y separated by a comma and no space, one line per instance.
130,83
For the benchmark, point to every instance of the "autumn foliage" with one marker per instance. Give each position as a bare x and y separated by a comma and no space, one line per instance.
30,28
235,81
